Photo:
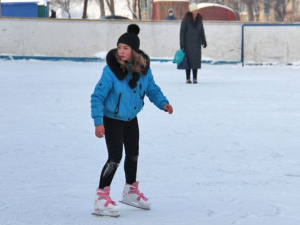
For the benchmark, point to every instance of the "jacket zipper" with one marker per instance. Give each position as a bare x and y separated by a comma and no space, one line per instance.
118,105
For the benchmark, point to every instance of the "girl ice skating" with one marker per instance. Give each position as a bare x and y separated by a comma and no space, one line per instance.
117,99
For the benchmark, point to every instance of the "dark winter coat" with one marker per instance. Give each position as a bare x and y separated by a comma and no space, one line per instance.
192,36
116,98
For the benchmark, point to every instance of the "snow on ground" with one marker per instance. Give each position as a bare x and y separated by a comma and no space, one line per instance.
228,155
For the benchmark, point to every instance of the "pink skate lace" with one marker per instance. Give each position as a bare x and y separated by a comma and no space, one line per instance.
135,190
105,195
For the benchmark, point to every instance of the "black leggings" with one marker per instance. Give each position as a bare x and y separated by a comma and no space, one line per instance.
188,74
117,134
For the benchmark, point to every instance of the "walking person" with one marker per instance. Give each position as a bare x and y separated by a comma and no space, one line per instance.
192,37
117,99
53,14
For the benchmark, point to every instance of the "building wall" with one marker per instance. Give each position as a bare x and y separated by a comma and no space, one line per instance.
19,9
78,38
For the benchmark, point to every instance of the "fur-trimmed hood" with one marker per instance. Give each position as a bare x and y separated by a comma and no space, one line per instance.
189,18
116,68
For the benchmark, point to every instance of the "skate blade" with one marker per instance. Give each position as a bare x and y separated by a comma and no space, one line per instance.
113,214
135,205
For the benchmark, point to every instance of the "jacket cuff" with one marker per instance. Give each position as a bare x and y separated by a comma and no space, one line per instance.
98,121
162,104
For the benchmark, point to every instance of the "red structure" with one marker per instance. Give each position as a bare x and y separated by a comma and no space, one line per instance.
212,11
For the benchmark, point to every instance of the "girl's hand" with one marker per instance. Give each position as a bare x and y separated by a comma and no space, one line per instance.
99,131
168,108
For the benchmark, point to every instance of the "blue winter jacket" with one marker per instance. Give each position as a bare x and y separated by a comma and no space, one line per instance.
114,98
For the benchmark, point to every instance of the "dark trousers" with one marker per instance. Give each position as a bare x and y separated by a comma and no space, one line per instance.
188,74
117,134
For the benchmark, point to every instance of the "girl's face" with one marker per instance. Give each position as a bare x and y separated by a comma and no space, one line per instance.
125,52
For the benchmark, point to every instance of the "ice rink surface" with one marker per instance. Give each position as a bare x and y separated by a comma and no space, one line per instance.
230,153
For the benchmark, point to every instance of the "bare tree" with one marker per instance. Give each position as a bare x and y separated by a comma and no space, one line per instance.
85,5
139,9
249,4
149,11
280,9
133,8
136,8
65,5
111,6
102,7
256,9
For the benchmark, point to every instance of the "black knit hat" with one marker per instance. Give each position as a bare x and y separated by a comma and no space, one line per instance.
131,38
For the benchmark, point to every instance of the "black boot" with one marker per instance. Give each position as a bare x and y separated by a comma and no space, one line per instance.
188,76
195,76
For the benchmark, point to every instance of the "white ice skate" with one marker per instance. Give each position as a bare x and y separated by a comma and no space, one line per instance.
103,205
133,197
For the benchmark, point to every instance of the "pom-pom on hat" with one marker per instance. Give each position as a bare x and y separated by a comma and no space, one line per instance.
131,38
193,7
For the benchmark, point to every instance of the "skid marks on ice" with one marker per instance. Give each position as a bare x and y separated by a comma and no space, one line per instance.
251,210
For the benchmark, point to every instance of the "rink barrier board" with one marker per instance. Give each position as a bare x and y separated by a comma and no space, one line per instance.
245,25
95,59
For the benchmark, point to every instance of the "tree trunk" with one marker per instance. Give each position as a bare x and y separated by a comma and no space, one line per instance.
102,8
249,4
132,10
139,8
67,10
280,9
250,12
85,5
256,10
149,10
111,6
112,3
